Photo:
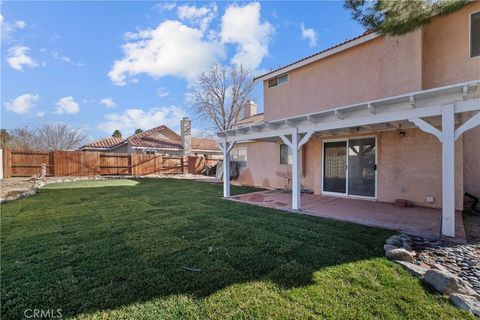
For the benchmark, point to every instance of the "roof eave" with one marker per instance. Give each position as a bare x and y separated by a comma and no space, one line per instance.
316,57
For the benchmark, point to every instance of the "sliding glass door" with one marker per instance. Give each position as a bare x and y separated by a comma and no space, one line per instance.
334,168
361,167
349,167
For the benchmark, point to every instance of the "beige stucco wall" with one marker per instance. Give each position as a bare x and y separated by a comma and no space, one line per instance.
408,168
356,75
434,56
471,158
446,49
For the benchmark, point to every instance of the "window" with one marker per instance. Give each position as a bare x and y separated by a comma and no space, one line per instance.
273,82
149,152
239,155
475,35
285,154
278,80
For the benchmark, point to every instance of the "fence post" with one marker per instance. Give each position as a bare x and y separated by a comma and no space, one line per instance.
130,164
7,163
160,165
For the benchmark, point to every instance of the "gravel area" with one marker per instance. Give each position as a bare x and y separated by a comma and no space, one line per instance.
461,260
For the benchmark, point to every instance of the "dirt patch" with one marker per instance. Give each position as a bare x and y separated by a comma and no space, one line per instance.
472,227
15,186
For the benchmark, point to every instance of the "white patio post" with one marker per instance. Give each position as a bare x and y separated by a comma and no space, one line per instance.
226,148
448,170
295,171
447,138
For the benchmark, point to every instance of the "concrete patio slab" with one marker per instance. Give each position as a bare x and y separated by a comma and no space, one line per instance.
424,222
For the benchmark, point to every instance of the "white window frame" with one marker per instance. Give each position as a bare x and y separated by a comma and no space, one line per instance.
278,80
289,155
346,194
470,36
234,155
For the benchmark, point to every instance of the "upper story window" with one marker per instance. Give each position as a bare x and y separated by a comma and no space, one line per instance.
278,80
475,35
285,154
239,154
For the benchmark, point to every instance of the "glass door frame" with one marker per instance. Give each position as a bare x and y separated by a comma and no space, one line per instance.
346,194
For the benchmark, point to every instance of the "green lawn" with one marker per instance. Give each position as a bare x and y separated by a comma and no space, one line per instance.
173,249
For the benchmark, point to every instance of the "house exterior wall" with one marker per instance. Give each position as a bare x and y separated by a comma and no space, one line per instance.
434,56
356,75
471,164
446,49
408,168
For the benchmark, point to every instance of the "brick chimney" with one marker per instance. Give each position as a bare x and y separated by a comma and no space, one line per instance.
186,133
250,109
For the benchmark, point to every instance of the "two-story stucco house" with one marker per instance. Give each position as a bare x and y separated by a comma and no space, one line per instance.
376,117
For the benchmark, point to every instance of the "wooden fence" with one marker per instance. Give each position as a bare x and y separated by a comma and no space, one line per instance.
20,163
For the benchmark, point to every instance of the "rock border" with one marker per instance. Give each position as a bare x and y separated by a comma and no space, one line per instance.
398,248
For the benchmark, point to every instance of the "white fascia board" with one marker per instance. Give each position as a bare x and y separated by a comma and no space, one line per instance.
259,135
390,116
317,57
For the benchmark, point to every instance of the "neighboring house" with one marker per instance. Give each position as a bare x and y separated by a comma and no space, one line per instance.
159,140
375,117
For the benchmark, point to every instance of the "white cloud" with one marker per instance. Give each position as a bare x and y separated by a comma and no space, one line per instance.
170,49
165,6
40,114
58,56
18,58
108,102
7,27
242,26
198,16
20,24
67,105
309,34
135,118
23,103
162,92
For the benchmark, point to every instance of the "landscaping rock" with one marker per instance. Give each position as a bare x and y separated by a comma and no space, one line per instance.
447,283
400,255
465,302
395,240
388,247
417,271
406,246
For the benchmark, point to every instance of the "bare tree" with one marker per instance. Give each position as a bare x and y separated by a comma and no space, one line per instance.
58,136
221,93
21,138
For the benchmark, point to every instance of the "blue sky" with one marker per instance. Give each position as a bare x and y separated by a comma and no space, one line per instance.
104,65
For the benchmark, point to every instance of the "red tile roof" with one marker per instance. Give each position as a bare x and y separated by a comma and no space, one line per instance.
315,54
147,142
168,140
104,143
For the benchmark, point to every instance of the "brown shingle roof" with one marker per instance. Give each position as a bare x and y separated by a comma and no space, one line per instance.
204,144
255,119
104,143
